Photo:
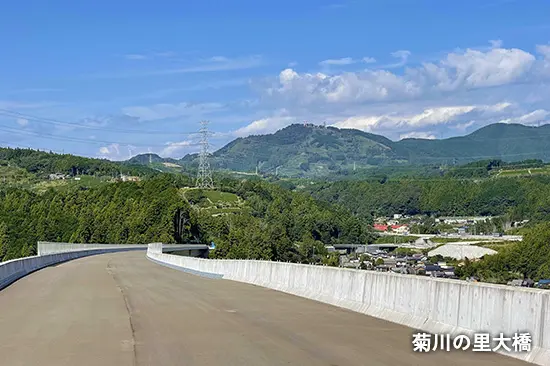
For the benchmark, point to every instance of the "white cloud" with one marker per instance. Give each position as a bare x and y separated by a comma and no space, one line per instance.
402,55
178,148
22,122
348,87
458,71
464,126
264,126
477,69
162,111
428,117
125,152
544,50
369,60
111,152
496,43
418,135
538,116
338,62
434,116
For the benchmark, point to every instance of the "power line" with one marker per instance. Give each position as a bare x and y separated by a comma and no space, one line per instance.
204,176
56,122
76,139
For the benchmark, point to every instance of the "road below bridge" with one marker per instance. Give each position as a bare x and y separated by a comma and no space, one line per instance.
121,309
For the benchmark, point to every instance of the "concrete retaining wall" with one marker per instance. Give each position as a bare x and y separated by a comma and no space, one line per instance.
53,253
432,305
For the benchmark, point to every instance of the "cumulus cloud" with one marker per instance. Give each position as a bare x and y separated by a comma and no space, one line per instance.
458,71
178,148
496,43
477,69
111,152
538,116
428,117
348,87
369,60
418,135
264,126
544,50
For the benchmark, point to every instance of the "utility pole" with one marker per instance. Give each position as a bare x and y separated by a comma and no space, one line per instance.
204,177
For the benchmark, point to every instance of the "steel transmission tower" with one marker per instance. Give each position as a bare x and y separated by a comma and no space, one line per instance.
204,177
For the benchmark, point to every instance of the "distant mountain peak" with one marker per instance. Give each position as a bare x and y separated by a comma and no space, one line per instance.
314,150
148,158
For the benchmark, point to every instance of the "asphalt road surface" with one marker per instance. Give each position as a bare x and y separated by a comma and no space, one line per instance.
121,309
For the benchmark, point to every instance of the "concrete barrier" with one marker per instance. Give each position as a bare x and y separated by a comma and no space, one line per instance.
53,253
46,247
429,304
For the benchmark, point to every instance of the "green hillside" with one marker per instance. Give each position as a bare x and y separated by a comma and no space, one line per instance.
510,142
316,151
305,150
41,164
149,158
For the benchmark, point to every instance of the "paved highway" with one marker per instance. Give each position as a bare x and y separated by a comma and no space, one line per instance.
121,309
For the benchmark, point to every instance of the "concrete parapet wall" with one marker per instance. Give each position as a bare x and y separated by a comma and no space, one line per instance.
53,253
429,304
45,247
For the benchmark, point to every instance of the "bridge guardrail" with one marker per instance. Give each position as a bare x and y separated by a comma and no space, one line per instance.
429,304
53,253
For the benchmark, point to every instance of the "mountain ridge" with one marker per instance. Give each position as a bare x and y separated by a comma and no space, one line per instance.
313,150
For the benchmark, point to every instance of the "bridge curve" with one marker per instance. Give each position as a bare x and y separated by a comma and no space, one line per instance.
122,309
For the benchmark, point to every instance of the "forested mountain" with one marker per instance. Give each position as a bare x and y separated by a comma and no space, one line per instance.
510,142
312,150
149,158
42,163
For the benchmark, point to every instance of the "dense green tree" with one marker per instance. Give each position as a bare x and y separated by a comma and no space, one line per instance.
4,240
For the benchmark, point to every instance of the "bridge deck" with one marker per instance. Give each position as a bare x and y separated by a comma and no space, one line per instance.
121,309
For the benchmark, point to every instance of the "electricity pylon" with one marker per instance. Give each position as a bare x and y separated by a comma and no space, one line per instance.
204,176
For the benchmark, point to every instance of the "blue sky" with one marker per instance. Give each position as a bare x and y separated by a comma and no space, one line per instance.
113,79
